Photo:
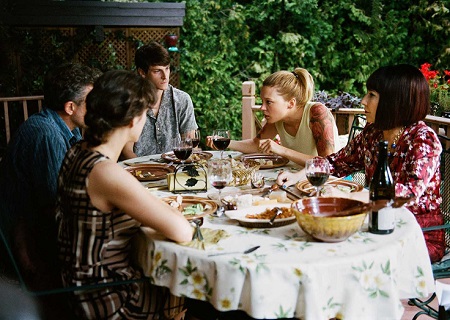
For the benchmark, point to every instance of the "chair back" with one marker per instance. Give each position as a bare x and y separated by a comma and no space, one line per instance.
358,124
445,185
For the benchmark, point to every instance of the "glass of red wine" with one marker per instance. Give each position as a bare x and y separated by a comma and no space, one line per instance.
219,174
317,172
182,148
221,140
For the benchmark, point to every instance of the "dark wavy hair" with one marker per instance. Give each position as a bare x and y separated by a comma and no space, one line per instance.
404,96
118,96
152,54
67,82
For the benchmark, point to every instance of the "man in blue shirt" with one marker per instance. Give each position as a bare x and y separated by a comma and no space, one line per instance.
30,167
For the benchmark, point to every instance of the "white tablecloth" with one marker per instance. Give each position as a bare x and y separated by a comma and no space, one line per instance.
292,275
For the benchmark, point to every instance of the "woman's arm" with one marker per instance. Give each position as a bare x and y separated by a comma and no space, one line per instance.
321,124
110,187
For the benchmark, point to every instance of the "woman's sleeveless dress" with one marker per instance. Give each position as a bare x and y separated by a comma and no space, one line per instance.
94,247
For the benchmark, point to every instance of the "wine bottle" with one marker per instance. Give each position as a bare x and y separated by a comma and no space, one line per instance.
382,188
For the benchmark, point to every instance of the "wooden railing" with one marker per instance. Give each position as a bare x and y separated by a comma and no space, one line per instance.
251,119
24,103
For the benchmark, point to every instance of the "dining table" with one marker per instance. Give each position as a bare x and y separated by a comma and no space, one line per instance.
290,274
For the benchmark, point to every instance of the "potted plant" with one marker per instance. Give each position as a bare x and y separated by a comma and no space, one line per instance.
439,90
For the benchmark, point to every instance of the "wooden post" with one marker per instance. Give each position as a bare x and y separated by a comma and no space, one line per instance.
248,101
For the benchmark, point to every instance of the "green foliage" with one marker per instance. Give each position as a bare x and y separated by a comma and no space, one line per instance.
225,42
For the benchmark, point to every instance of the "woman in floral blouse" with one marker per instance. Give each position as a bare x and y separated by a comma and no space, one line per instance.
395,105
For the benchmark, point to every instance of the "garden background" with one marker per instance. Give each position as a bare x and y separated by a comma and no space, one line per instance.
223,43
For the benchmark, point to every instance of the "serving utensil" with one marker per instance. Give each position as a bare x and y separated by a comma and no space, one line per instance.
270,190
277,213
234,252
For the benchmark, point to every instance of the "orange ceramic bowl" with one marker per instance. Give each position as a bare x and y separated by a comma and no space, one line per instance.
329,219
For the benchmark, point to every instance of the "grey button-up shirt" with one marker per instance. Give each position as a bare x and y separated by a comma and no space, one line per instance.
175,116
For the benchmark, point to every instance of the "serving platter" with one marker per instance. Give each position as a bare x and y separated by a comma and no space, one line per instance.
343,185
150,172
208,205
266,161
195,157
240,216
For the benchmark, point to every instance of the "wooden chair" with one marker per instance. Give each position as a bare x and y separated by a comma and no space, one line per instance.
441,269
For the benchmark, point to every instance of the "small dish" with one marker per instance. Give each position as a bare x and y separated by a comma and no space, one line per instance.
209,205
343,185
266,161
150,172
195,157
240,216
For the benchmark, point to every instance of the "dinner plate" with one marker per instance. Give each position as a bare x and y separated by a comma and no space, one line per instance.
343,185
150,172
266,161
239,216
195,156
209,206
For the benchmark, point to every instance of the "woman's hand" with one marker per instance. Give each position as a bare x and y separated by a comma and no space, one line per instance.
287,178
210,143
269,146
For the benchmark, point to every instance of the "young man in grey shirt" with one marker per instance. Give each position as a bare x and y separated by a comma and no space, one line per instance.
173,112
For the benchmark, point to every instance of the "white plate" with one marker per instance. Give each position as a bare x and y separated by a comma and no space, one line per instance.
240,214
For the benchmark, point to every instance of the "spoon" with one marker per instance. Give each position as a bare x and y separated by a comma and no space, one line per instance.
234,252
270,190
279,211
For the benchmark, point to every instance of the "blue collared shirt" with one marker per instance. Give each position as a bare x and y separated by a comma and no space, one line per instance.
30,167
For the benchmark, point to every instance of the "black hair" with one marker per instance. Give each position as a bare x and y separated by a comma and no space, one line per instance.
404,96
152,54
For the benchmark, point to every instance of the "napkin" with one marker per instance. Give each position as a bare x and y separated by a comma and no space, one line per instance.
210,237
332,191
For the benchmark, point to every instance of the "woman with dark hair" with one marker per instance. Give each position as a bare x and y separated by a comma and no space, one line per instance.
101,206
397,101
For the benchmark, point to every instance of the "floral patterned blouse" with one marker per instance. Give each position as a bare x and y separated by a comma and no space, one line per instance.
414,165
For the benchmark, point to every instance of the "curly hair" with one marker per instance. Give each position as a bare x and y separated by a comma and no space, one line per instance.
118,96
67,82
298,84
152,54
404,96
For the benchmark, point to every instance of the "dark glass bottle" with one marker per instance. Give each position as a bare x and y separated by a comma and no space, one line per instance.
382,188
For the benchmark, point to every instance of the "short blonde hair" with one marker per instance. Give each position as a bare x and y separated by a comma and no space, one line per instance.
298,84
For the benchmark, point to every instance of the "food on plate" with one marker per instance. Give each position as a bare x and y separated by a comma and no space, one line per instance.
279,195
193,209
177,203
139,174
244,201
260,201
268,213
264,162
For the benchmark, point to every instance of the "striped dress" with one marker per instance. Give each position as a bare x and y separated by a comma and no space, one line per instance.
94,247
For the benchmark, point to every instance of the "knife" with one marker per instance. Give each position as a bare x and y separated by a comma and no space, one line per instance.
234,252
289,192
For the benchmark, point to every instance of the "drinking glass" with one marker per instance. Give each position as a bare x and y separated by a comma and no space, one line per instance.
182,148
195,138
317,172
221,140
219,174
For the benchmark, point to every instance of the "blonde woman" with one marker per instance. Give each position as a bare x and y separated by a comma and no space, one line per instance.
306,128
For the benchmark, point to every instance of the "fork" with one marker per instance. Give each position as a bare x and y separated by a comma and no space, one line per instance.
198,233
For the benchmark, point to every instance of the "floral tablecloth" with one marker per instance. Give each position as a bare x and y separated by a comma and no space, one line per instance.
292,275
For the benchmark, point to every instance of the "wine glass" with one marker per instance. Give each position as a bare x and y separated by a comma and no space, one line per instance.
221,140
195,138
182,148
219,174
317,172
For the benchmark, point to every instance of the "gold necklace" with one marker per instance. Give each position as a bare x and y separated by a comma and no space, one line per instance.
394,142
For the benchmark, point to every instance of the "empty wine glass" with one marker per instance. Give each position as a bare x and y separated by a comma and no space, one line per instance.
219,174
221,139
317,172
195,138
182,148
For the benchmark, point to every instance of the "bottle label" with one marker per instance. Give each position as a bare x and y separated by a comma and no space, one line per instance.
386,219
